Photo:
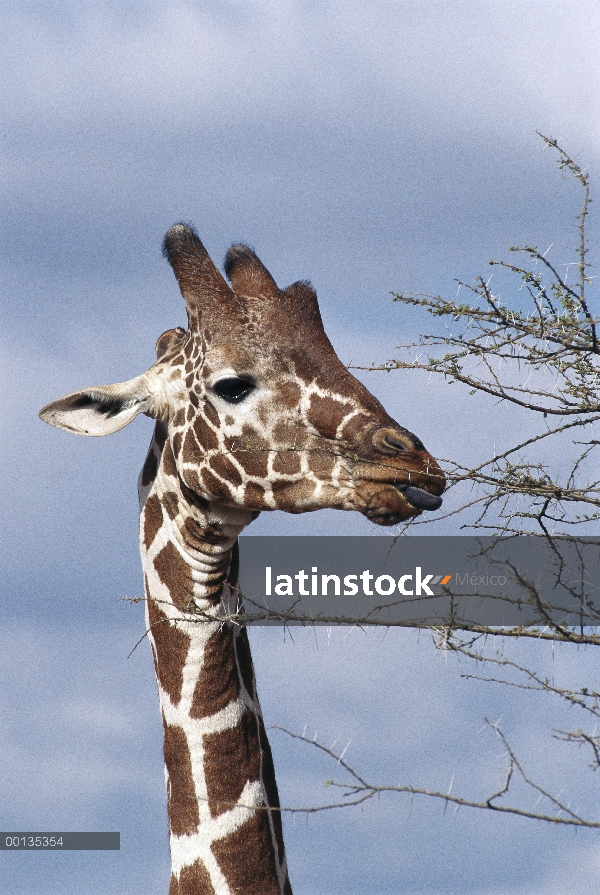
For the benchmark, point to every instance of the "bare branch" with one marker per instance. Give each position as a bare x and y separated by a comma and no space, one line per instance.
358,789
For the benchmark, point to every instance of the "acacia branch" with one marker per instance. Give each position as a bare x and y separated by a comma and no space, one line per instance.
358,789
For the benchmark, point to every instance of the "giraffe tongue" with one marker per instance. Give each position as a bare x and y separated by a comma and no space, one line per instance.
420,498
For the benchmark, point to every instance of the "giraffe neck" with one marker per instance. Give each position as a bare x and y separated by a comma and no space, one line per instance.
225,829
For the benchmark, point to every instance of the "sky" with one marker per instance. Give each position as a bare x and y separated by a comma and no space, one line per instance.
368,147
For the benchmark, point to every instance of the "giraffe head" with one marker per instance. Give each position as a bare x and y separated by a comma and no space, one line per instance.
256,408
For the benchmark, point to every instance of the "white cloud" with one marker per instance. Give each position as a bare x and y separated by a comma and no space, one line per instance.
461,65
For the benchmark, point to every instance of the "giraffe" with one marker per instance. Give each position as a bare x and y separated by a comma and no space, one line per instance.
254,411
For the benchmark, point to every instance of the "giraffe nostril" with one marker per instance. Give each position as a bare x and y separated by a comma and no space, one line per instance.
390,441
397,441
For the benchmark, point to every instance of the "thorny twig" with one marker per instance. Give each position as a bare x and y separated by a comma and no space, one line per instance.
358,789
543,358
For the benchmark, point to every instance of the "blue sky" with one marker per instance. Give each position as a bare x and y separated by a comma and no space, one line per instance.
367,147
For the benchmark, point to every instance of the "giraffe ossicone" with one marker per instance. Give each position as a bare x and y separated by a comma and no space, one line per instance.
254,411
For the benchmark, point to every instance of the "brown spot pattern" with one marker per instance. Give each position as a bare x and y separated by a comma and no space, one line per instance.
286,434
207,439
153,519
326,414
179,418
225,469
254,496
211,414
245,664
150,467
287,463
253,458
193,880
218,683
322,463
288,494
356,430
168,461
172,645
170,503
288,395
191,449
247,858
231,759
177,438
215,486
182,802
175,575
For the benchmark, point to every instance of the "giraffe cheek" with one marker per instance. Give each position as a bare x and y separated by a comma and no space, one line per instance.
287,463
322,464
223,467
254,460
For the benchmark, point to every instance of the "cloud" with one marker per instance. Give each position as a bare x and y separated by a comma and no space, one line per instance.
285,59
362,146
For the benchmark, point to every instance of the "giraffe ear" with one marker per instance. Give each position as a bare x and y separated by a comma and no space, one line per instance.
99,410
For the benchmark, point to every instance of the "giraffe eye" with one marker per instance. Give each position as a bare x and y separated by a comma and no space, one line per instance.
233,389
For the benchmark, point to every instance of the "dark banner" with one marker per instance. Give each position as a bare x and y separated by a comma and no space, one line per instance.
421,581
60,841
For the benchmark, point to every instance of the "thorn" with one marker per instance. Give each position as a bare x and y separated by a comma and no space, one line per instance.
340,757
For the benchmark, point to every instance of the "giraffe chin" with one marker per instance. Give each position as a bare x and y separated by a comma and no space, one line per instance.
399,502
390,518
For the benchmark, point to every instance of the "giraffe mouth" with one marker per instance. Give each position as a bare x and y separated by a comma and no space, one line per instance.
418,497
